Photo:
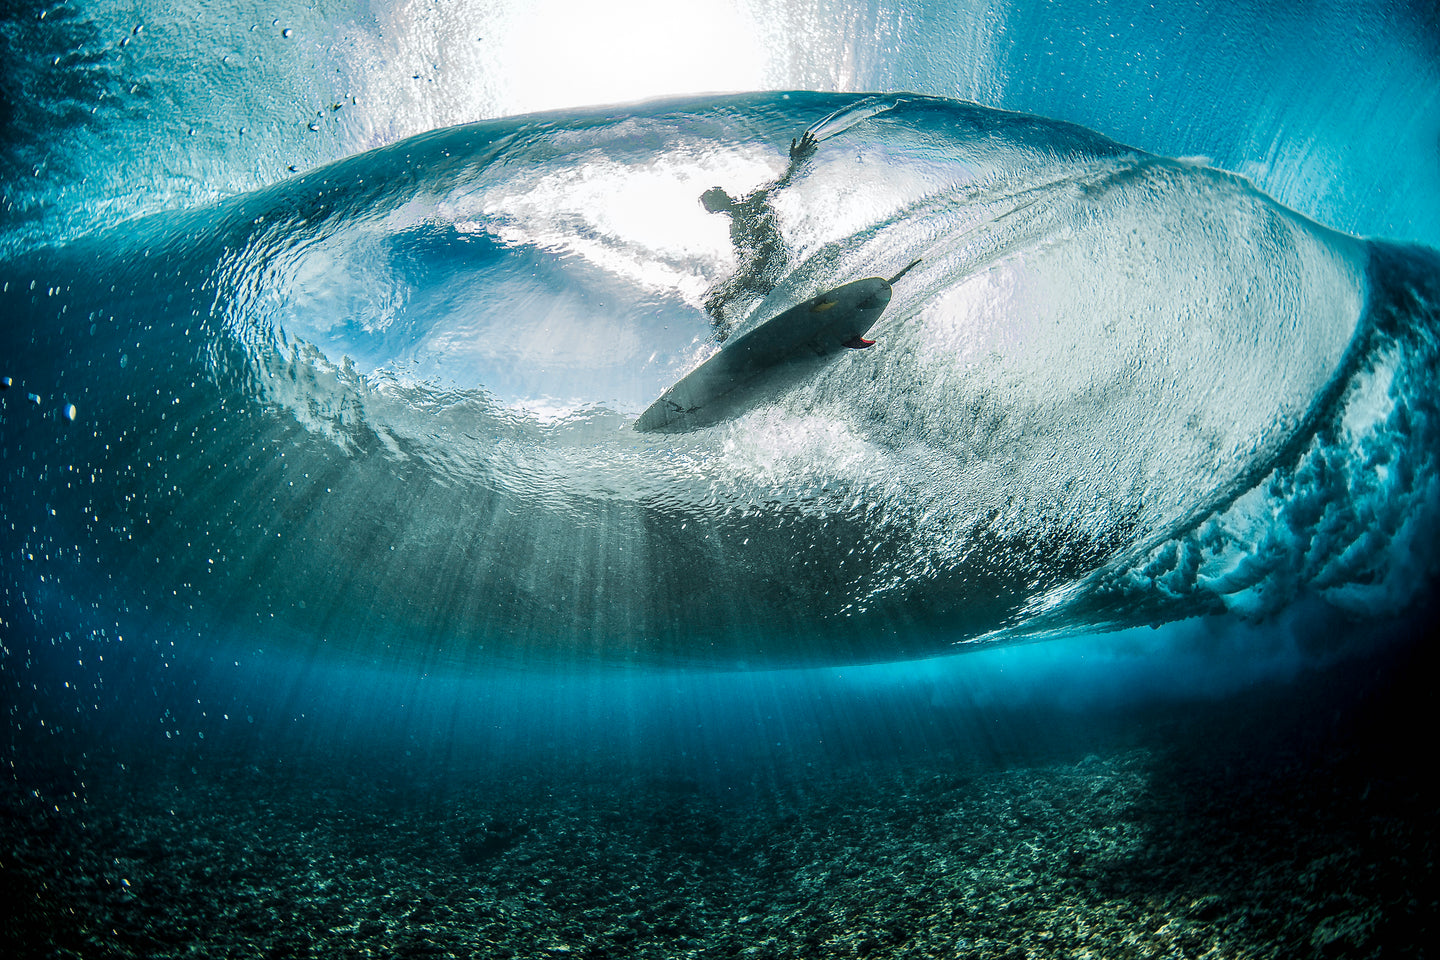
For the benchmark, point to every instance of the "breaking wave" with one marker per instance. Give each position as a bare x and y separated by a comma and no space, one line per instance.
385,407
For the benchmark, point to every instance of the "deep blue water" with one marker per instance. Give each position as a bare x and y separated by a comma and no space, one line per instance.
317,476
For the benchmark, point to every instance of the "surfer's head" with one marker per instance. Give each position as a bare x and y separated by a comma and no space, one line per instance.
716,200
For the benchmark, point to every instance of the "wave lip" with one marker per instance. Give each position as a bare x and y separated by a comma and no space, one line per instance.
385,406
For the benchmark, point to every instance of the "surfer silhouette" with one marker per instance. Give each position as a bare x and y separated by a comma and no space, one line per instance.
757,239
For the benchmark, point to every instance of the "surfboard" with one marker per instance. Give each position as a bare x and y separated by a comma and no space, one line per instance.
808,333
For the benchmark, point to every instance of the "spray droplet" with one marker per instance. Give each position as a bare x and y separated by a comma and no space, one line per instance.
5,383
286,32
69,412
33,397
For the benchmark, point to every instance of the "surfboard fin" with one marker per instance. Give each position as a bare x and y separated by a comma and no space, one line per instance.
858,342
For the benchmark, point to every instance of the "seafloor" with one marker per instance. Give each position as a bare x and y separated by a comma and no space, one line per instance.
1295,820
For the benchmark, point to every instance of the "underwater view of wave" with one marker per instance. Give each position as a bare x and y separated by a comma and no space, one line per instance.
991,518
386,406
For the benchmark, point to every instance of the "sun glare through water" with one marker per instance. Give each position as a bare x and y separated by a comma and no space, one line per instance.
627,50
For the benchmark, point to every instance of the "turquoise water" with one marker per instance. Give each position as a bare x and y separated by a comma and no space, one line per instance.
345,612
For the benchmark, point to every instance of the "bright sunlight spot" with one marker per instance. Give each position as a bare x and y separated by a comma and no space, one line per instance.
566,52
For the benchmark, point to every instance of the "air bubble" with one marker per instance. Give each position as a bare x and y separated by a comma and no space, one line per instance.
286,32
68,412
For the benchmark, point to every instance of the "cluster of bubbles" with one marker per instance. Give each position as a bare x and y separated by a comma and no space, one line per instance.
68,411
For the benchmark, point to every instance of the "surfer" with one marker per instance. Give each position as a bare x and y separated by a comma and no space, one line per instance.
757,239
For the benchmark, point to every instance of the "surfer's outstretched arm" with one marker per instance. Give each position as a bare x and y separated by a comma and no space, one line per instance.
800,151
802,148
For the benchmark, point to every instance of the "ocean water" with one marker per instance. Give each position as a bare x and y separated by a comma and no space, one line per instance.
1086,613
